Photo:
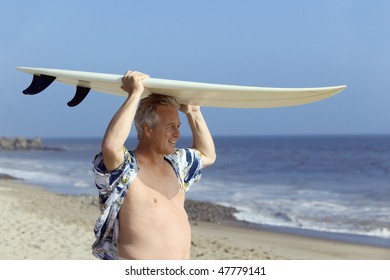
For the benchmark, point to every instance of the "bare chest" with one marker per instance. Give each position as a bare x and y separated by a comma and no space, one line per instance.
161,179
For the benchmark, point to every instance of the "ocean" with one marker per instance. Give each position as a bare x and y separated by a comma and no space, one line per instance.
335,187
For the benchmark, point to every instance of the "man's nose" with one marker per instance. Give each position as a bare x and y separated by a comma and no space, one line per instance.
176,133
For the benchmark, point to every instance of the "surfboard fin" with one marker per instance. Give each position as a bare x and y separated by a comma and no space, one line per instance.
81,93
39,83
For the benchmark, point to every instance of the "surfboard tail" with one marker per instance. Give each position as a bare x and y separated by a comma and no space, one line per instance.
42,82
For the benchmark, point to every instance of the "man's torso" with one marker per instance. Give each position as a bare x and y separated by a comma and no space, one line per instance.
153,221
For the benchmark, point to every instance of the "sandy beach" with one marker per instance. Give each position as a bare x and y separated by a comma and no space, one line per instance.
37,224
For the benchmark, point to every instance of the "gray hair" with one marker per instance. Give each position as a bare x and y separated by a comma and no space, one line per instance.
146,112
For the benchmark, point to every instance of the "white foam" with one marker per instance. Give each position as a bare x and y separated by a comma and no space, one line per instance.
50,178
30,175
332,225
83,184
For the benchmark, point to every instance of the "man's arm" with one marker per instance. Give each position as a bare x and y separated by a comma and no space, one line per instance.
201,136
119,128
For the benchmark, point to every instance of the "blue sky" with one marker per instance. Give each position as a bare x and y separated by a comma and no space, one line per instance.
259,43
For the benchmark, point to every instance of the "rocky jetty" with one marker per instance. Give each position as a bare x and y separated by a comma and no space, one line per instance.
7,177
22,144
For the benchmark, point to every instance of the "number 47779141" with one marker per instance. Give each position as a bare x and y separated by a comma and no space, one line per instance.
241,270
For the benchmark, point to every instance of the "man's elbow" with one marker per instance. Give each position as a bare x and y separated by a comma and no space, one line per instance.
209,159
108,150
112,157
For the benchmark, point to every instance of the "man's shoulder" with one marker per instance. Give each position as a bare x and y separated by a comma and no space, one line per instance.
129,159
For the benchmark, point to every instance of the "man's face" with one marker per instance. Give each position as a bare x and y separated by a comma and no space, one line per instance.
166,133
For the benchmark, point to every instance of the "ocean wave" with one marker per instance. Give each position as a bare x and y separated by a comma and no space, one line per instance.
322,224
60,182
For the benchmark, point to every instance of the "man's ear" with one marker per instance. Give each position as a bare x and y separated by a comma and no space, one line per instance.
147,130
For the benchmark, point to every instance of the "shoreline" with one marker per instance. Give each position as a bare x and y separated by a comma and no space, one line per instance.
42,225
204,211
363,240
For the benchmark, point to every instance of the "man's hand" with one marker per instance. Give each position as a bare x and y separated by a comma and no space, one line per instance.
189,108
132,82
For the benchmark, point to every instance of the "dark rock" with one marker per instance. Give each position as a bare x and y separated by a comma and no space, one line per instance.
209,212
7,177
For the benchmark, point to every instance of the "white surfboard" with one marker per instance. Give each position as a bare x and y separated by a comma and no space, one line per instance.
203,94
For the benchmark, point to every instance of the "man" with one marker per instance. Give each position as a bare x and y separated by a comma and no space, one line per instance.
142,191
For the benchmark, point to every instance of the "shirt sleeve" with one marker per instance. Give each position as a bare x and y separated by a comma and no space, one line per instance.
106,181
188,164
112,186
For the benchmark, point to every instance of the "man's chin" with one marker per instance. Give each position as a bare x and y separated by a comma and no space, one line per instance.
169,150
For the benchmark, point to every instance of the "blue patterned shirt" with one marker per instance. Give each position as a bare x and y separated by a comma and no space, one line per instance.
113,186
